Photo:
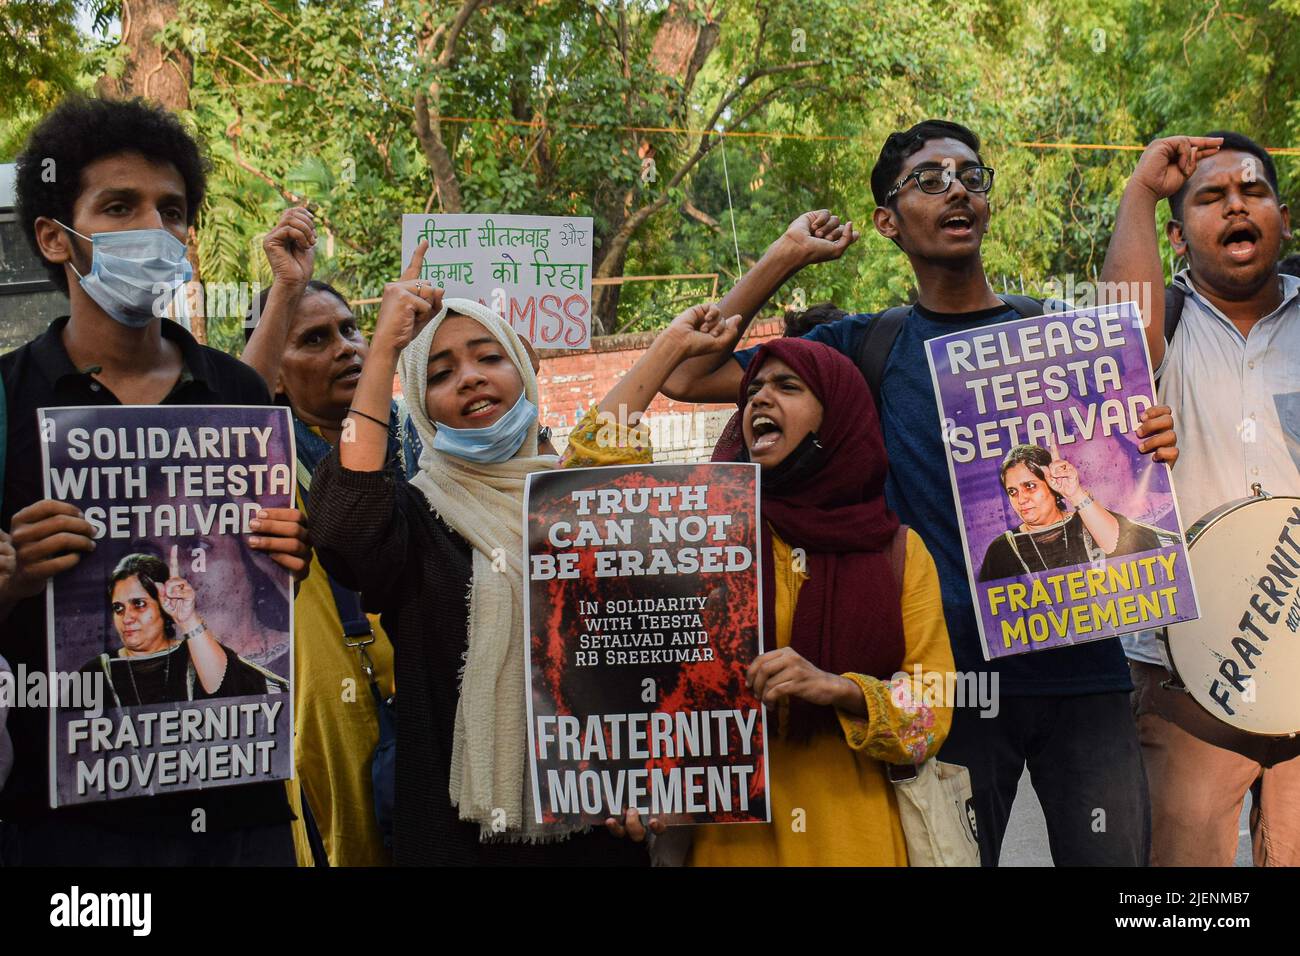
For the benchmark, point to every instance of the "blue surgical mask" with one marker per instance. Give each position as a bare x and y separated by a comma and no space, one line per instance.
134,273
493,443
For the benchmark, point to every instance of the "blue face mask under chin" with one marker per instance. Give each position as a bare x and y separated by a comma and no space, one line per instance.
134,273
493,443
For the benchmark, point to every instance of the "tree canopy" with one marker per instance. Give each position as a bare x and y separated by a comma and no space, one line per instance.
667,121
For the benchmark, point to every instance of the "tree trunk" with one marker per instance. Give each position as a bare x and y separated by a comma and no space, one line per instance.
609,264
428,108
680,47
163,77
604,298
428,130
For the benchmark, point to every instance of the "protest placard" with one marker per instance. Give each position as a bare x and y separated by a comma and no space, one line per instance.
643,612
534,271
185,631
1070,533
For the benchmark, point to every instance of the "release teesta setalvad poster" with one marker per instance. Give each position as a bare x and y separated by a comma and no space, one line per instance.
1071,534
184,628
642,614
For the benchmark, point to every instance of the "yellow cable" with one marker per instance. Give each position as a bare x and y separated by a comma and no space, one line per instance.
540,124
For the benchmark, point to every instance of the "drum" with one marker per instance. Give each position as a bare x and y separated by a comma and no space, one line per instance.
1241,660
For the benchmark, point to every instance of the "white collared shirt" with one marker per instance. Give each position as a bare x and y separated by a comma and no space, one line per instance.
1236,407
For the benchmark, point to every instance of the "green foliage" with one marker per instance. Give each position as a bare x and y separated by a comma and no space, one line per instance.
313,99
39,53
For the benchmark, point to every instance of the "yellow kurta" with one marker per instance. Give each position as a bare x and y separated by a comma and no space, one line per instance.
832,804
335,728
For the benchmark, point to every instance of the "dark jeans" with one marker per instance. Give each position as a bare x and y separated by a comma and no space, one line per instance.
52,843
1085,765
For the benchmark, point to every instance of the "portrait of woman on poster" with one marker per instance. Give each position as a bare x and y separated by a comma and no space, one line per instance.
1040,486
168,652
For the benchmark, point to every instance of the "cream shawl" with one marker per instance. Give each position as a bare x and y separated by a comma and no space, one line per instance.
484,504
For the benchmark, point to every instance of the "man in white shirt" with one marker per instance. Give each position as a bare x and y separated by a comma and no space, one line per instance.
1231,374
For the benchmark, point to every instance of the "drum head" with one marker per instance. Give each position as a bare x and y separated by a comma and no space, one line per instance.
1241,660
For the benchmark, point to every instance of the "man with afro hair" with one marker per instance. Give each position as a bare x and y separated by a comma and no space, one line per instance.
107,193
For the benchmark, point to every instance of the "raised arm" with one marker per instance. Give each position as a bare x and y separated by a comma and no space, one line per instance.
291,249
408,304
613,433
178,600
1133,269
700,332
813,237
1063,478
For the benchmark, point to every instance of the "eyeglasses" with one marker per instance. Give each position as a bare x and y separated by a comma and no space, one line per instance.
937,179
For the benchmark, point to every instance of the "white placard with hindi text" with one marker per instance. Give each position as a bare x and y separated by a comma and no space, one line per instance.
534,271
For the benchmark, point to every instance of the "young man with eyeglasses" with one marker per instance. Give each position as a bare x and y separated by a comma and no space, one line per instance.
1066,712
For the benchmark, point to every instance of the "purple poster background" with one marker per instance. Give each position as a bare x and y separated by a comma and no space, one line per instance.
1109,595
243,597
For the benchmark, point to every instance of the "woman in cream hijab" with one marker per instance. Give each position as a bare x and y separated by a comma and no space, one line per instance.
439,559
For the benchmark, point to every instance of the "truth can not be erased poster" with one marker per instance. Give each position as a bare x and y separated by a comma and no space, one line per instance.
1071,534
643,613
183,629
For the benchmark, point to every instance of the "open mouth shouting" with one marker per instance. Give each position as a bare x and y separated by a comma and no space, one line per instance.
767,433
958,224
1240,241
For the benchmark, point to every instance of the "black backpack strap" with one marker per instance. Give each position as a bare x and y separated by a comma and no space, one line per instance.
898,557
1026,305
1174,299
877,342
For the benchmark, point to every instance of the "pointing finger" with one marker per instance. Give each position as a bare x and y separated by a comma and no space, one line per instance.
412,270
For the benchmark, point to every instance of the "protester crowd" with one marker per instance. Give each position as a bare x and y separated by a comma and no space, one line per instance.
405,508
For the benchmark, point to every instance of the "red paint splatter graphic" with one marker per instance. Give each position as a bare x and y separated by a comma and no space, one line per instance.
575,664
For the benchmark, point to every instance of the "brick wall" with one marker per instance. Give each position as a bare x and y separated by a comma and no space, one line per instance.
571,382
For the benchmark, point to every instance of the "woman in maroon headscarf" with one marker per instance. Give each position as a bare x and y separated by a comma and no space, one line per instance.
841,625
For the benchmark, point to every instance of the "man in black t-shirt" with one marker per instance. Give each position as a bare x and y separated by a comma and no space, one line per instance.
107,193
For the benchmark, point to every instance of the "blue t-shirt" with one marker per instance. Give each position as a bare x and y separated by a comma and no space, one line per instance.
920,492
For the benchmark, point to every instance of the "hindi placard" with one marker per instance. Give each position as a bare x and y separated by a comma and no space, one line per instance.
533,271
